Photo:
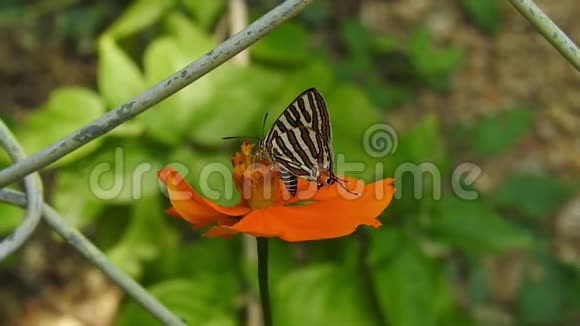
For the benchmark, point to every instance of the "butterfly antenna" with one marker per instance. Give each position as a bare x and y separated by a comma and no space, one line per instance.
238,137
264,125
342,182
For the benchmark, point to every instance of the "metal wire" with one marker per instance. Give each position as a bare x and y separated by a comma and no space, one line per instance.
549,30
25,167
155,94
98,258
33,188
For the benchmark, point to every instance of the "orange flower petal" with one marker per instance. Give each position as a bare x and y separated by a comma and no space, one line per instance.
222,231
325,219
173,212
336,190
192,207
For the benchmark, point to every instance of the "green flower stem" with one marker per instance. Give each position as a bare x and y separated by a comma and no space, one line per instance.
99,259
549,30
263,280
366,273
167,87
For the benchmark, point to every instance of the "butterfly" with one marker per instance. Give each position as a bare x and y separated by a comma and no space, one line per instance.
299,143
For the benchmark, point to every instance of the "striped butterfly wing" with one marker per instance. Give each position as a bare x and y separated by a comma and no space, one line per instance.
307,110
300,139
300,152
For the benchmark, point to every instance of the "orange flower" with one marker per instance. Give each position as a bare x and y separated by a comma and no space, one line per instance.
266,209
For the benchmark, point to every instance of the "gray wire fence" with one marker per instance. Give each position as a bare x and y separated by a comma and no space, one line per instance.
24,168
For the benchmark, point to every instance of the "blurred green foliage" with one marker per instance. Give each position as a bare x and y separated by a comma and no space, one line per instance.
498,133
412,260
66,110
468,225
533,196
391,70
486,14
287,47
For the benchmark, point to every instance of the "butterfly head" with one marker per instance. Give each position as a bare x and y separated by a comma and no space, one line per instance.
327,178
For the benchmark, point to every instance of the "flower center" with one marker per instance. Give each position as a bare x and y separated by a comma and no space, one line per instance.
257,181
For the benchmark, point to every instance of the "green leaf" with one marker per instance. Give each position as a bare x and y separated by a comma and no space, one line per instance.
138,16
358,42
195,302
246,93
389,96
209,174
534,196
320,295
412,288
74,200
433,65
286,45
205,12
123,174
281,260
473,226
118,77
349,129
169,121
143,238
339,250
477,284
418,164
347,122
485,14
574,291
543,294
385,241
498,133
317,73
213,256
10,217
424,143
192,40
383,43
67,109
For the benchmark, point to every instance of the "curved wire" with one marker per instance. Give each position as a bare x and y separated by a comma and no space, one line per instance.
25,166
33,189
98,258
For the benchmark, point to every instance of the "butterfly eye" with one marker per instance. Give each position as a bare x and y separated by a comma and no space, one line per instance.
329,181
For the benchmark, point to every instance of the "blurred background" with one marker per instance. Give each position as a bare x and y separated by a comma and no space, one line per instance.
462,81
